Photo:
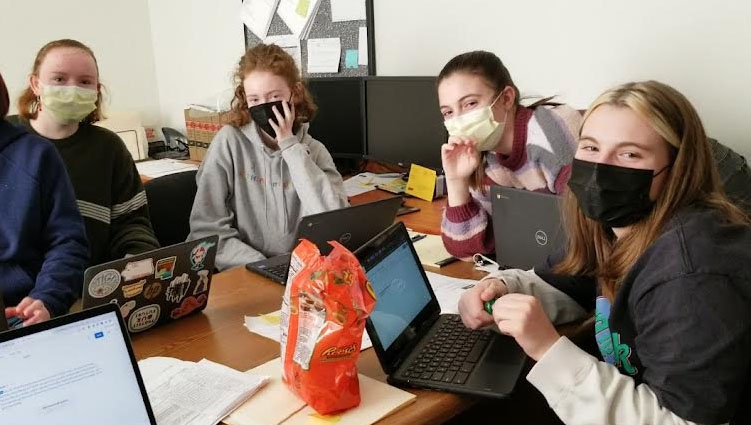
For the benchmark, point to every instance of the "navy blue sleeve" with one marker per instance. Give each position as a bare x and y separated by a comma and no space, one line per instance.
60,279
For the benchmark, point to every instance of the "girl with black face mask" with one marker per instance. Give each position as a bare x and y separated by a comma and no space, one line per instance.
659,254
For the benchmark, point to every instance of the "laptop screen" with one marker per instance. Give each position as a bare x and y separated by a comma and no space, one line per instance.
80,372
400,291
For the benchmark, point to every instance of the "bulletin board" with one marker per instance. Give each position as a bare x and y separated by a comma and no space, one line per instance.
323,27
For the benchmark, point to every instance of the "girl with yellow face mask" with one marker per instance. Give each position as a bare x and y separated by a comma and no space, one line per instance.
495,140
61,103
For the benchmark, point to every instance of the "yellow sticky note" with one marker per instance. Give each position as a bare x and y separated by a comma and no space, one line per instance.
272,318
302,7
317,419
421,182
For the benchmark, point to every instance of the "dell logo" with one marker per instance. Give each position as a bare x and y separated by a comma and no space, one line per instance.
345,238
541,238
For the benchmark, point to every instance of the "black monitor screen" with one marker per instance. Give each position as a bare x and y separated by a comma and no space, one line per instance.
404,121
339,122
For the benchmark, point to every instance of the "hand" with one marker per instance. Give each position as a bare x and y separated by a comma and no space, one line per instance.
522,317
460,158
283,130
472,302
29,310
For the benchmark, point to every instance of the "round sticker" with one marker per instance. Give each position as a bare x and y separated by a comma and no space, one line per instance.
104,283
144,318
152,290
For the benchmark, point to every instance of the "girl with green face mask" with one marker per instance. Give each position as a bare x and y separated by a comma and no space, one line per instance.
495,140
61,103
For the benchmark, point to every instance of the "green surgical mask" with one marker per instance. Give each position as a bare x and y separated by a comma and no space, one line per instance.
69,104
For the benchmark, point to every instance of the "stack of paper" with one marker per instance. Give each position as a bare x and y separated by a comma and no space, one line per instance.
299,15
257,15
267,325
203,393
275,404
365,182
430,249
163,167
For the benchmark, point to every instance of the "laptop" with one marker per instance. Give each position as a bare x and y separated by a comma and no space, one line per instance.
527,227
154,287
418,346
75,369
351,226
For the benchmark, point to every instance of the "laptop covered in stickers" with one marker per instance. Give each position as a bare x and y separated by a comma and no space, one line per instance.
154,287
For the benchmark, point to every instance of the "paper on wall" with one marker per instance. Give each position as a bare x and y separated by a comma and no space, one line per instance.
288,43
257,15
347,10
362,45
324,55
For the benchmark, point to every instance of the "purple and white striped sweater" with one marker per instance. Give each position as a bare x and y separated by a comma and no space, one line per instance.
540,160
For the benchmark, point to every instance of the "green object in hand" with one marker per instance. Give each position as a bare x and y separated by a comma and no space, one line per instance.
489,305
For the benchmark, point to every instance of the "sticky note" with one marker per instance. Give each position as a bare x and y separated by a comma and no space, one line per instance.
421,182
351,58
318,419
302,7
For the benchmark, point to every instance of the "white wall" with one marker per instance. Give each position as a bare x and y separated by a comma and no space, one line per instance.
197,44
579,48
118,32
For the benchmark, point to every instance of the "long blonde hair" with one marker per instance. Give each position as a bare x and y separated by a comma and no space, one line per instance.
693,180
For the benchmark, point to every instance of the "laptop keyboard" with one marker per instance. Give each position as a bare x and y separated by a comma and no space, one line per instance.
450,355
279,271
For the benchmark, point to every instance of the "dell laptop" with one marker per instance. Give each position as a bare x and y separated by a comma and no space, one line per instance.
527,227
417,345
351,226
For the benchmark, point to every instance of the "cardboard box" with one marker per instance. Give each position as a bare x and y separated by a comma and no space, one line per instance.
202,125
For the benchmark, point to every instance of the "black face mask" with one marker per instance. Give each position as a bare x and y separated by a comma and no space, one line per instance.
615,196
263,112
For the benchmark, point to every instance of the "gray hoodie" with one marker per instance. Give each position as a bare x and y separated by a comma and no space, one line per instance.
253,196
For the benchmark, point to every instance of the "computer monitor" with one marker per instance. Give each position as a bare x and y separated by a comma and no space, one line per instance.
339,122
404,123
77,369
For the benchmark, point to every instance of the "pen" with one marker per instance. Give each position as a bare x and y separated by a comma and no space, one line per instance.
418,238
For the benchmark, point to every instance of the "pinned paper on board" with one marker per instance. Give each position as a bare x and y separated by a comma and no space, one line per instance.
362,45
290,44
351,59
421,182
347,10
324,55
257,15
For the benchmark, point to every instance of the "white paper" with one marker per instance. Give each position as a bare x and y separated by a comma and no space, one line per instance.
324,55
163,167
257,15
200,393
299,25
288,43
362,46
268,326
448,290
365,182
347,10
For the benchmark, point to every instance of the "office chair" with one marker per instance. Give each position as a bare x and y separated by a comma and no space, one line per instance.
170,202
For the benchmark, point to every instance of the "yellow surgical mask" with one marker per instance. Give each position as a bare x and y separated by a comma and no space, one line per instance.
68,103
479,125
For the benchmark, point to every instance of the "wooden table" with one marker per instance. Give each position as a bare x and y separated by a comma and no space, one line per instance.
218,333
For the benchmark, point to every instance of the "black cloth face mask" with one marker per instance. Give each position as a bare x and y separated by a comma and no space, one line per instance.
612,195
263,112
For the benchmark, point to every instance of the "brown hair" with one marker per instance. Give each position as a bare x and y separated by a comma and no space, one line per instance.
4,99
271,58
28,102
592,249
490,68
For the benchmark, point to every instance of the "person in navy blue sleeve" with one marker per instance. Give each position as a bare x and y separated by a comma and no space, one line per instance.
43,247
